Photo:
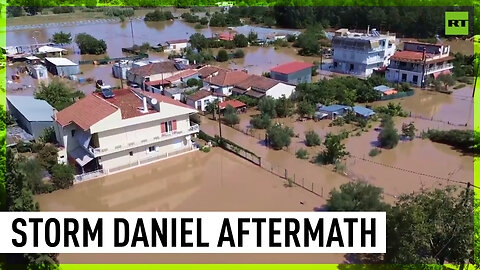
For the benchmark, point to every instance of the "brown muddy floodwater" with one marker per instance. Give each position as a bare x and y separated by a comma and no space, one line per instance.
215,181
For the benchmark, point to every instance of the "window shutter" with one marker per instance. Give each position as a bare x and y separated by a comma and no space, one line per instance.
162,127
174,124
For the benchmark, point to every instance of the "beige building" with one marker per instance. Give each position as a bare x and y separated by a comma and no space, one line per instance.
109,133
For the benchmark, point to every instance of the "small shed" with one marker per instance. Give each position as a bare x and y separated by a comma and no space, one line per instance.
38,72
363,111
334,111
33,115
61,66
385,90
236,104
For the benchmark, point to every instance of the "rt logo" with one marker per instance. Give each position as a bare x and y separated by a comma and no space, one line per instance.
456,23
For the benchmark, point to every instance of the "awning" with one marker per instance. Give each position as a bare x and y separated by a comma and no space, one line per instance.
81,156
436,74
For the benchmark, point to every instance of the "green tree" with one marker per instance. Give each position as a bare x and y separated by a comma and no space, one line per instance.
279,136
261,121
62,38
388,137
266,106
252,37
431,226
33,171
222,55
356,196
212,108
14,11
238,53
90,45
158,15
308,44
58,94
240,40
192,82
334,150
62,176
198,41
408,130
446,80
312,138
284,107
230,117
302,154
48,156
48,135
305,109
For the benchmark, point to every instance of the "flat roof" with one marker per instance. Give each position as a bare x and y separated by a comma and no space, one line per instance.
34,110
60,61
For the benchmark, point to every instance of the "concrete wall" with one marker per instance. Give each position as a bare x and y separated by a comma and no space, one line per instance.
395,75
134,155
304,75
33,128
203,102
65,70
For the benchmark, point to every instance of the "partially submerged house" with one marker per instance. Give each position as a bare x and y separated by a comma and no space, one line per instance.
32,115
293,72
61,66
200,99
236,104
224,80
153,74
418,61
363,112
259,86
361,53
50,51
334,111
119,69
124,129
38,72
176,46
385,90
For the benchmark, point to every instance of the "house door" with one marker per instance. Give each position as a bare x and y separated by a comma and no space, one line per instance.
199,105
404,77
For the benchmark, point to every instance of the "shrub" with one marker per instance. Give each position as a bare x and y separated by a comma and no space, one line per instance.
392,110
119,12
239,53
192,82
339,121
240,40
231,117
312,138
279,136
24,147
340,167
249,101
266,105
408,130
261,122
62,38
305,109
48,156
33,171
158,15
205,149
284,107
62,176
334,150
374,152
388,137
48,136
302,154
464,140
222,56
64,9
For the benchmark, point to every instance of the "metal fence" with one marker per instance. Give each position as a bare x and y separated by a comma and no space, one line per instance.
88,176
398,95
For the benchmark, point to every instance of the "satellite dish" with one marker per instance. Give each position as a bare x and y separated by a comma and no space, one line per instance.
154,101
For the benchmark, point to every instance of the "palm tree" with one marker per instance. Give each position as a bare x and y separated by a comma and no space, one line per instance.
212,108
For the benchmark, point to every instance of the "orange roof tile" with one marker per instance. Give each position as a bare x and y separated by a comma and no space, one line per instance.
227,78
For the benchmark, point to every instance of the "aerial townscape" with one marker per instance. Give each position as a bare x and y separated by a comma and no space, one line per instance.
227,108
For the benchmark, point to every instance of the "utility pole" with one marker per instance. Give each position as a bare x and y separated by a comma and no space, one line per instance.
476,73
131,27
219,120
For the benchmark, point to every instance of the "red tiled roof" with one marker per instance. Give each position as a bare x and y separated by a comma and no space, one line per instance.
155,68
181,75
233,102
203,94
162,98
177,41
258,82
85,112
130,105
291,67
226,36
227,77
158,82
209,70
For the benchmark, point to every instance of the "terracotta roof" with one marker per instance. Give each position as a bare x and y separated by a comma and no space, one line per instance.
162,98
227,77
203,94
208,70
233,102
411,56
177,41
158,82
257,82
85,112
154,68
181,75
226,36
291,67
129,104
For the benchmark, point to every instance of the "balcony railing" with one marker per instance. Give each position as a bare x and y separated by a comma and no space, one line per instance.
420,69
160,137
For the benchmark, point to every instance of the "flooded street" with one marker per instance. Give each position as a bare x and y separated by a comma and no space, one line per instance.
193,182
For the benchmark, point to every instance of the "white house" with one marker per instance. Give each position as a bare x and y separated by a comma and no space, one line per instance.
222,81
359,53
153,73
418,61
259,86
122,129
176,45
200,99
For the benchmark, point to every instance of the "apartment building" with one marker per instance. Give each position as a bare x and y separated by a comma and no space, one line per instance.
418,61
361,53
123,128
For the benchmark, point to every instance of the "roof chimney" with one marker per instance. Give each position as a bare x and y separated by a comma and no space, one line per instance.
145,107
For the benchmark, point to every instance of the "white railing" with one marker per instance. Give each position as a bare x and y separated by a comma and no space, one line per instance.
89,175
160,137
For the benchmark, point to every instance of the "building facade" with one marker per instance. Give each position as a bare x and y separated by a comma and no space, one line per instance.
418,61
32,115
128,129
61,66
361,54
200,99
292,73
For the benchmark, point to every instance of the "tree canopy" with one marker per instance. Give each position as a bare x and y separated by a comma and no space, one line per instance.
58,94
356,196
90,45
62,38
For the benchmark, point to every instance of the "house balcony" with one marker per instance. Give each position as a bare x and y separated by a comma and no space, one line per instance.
419,69
101,151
